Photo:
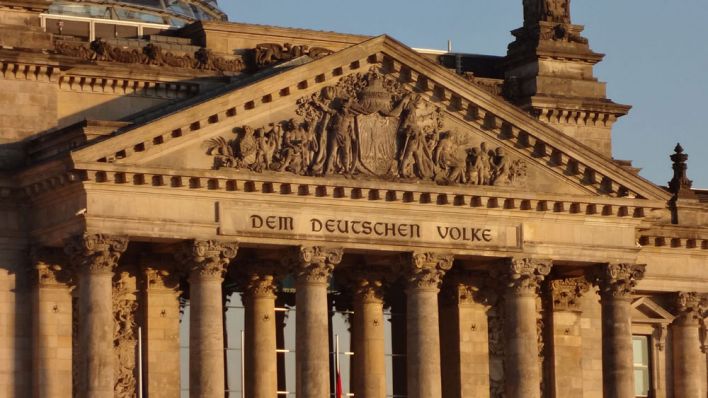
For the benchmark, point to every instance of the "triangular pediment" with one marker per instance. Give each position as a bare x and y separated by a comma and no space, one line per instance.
374,111
647,310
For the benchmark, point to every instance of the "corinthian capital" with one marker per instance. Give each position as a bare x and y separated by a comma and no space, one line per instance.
49,268
524,275
619,280
426,270
95,253
315,264
689,308
566,293
206,258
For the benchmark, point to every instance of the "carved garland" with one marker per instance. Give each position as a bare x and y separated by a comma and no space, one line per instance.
367,125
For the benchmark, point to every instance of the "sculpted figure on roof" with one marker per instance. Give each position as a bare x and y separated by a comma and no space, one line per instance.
546,10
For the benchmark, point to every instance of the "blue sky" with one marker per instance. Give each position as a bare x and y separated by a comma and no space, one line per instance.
657,56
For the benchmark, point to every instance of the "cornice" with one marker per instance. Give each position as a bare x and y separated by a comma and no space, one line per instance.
468,103
371,191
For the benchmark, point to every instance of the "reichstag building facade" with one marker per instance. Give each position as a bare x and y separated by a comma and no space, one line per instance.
196,208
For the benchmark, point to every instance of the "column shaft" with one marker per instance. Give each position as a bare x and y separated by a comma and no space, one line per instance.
95,257
423,334
311,337
206,262
616,283
313,267
522,373
262,366
689,380
206,338
369,354
521,366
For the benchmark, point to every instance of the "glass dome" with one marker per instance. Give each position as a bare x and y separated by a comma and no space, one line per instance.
175,13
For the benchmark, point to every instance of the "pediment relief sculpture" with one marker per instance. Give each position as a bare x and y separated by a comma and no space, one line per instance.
368,125
266,54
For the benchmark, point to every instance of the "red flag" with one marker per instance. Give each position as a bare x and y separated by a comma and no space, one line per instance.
339,384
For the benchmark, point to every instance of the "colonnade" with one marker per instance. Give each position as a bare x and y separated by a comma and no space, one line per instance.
95,257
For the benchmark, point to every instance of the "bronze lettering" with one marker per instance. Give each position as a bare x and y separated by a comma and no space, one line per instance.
330,225
256,222
271,222
344,230
316,225
390,229
366,227
355,224
403,230
415,231
376,229
487,235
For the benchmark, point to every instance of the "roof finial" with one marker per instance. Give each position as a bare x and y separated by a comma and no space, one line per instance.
680,185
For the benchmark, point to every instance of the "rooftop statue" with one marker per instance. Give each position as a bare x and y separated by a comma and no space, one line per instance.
547,11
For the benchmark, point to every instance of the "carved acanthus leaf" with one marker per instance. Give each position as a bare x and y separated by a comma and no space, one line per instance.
426,269
49,268
95,252
524,275
206,258
314,264
689,307
566,293
619,280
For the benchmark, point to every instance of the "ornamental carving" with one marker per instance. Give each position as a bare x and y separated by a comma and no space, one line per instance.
566,293
260,285
206,258
367,126
524,275
101,50
161,279
271,53
426,270
465,288
689,308
125,337
95,253
547,11
314,264
48,269
619,280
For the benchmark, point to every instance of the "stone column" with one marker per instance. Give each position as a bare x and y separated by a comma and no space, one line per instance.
95,258
52,371
259,296
161,349
463,322
313,267
687,354
369,354
617,282
206,262
424,275
522,372
566,346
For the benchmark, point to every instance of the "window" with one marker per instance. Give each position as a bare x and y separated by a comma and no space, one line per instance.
642,383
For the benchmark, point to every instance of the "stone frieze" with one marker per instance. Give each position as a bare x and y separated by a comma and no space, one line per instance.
368,125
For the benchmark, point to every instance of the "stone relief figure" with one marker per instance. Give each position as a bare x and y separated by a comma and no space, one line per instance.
367,125
546,10
271,53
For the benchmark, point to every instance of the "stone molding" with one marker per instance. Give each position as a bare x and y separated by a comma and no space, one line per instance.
603,207
95,253
689,308
588,174
566,293
206,259
618,280
523,276
426,270
314,264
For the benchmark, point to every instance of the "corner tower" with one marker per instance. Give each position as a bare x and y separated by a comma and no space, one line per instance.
549,73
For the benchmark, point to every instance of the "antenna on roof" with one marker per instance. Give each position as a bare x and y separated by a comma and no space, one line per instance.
449,46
